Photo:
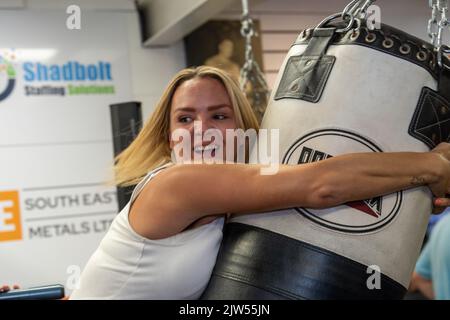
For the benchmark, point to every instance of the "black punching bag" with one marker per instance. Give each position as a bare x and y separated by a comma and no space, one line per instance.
126,122
341,92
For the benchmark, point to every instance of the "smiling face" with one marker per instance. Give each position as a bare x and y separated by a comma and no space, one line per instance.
205,100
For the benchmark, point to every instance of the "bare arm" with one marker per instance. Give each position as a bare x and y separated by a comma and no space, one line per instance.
183,193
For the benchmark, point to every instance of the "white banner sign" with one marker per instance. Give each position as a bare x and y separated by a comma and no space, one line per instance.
56,152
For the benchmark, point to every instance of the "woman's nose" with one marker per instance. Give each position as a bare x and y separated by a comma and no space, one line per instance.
203,124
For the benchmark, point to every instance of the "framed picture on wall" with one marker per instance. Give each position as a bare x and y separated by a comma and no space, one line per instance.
219,43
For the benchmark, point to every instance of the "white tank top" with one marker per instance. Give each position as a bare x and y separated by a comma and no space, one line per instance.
129,266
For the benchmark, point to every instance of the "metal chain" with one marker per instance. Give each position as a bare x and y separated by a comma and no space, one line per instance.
444,22
436,25
361,12
355,11
251,72
438,21
433,21
352,8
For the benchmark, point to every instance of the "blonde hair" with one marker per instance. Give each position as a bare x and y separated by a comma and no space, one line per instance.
151,147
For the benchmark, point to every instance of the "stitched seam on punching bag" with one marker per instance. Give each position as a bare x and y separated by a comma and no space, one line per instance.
282,92
419,111
319,88
413,130
272,289
320,84
431,95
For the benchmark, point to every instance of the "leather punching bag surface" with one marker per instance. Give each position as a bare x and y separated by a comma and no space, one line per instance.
357,91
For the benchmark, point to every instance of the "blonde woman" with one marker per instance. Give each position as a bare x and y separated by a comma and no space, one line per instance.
164,243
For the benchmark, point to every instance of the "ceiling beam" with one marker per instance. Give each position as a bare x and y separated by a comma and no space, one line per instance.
168,21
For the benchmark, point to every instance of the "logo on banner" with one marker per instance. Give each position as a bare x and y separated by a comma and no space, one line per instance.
71,78
43,213
354,217
7,76
10,222
67,79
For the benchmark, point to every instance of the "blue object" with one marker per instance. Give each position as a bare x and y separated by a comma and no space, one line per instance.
39,293
434,219
434,261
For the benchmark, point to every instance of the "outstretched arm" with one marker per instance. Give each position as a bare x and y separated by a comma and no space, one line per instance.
181,194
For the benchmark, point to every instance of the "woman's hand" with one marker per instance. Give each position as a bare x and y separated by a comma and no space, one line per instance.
441,188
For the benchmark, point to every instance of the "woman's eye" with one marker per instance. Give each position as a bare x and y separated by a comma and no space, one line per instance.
220,116
184,119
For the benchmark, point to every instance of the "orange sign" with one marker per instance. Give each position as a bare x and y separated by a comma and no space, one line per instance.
10,223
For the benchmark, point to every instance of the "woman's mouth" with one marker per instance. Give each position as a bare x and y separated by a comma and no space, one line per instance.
210,149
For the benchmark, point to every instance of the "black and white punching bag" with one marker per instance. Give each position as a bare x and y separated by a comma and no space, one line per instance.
341,92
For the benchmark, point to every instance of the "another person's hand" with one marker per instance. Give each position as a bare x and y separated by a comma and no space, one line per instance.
441,189
424,286
6,288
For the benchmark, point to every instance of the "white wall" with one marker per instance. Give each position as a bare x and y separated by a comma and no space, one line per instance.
58,146
151,69
282,20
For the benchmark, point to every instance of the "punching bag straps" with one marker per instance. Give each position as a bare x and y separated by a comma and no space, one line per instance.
431,119
444,79
305,76
319,42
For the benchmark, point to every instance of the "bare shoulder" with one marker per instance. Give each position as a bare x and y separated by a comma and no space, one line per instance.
150,210
177,197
